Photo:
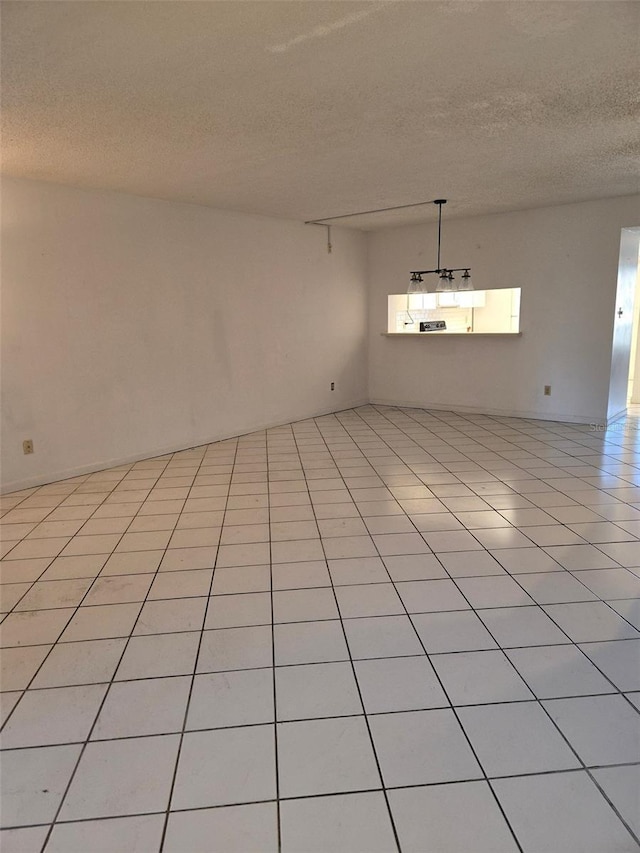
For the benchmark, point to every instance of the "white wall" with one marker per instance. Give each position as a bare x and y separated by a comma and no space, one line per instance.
564,258
132,326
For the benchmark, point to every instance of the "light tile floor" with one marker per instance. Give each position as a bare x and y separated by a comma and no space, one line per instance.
381,629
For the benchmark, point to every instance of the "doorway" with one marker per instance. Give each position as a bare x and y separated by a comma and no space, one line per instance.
624,385
633,389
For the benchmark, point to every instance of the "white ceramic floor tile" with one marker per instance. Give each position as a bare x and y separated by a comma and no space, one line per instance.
358,570
181,584
461,564
629,609
576,557
316,690
490,532
553,534
237,698
108,621
622,786
342,823
503,537
310,642
235,648
26,840
122,777
368,600
8,701
166,616
519,561
455,540
472,678
87,662
11,594
295,551
139,834
150,706
238,580
436,522
56,716
62,568
236,829
349,546
522,626
429,818
516,738
493,592
225,766
33,783
611,583
118,590
304,605
159,655
555,588
619,661
399,684
458,631
556,671
48,594
590,621
414,567
563,811
601,729
177,559
383,636
33,627
237,611
134,562
300,575
431,596
19,665
241,534
625,553
389,544
421,747
325,756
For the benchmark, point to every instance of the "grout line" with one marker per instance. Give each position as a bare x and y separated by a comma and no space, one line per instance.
273,668
357,685
97,715
402,446
193,677
460,726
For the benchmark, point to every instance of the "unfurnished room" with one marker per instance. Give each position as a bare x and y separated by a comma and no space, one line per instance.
320,418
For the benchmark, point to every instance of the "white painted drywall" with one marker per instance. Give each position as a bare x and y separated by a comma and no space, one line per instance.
564,258
132,326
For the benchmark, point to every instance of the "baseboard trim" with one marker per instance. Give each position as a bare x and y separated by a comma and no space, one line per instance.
562,417
70,473
615,418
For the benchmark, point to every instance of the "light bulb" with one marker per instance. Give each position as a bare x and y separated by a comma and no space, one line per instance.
415,283
444,285
466,283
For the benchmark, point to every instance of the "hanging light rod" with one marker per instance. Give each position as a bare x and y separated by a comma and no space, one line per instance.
446,280
365,212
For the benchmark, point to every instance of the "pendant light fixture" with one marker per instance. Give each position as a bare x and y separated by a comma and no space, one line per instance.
447,282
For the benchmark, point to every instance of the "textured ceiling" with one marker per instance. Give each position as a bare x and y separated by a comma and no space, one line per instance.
313,109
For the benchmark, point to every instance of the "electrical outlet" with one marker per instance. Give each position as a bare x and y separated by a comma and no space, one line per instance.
27,446
333,386
547,390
